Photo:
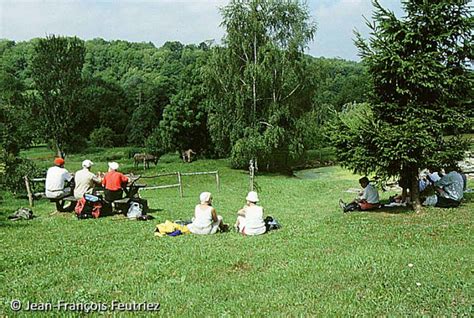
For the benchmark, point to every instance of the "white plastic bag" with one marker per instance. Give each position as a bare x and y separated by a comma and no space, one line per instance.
135,210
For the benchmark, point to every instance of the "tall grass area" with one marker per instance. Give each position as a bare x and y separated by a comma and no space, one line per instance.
321,262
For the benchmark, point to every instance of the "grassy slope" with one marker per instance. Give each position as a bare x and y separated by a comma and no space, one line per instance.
321,262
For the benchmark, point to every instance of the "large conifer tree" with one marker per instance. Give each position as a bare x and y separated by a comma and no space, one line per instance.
422,97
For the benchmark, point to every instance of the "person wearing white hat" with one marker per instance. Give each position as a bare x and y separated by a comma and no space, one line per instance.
114,182
85,180
206,220
250,217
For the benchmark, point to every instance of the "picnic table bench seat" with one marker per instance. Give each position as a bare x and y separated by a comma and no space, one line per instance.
61,203
70,198
122,201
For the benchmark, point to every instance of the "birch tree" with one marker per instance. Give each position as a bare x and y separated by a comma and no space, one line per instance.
257,81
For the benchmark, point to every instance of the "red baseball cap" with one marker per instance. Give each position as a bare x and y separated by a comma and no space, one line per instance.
58,161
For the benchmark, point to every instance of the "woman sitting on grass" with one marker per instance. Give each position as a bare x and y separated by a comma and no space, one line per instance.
250,217
206,220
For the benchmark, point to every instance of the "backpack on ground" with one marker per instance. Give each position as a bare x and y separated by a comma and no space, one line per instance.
271,223
21,214
89,206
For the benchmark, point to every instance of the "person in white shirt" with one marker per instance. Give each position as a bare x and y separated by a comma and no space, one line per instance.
206,220
85,180
449,190
250,217
56,177
368,199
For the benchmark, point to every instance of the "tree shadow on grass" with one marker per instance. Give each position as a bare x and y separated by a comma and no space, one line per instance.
394,210
150,210
468,197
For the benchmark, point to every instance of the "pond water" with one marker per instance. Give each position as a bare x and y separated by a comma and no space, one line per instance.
315,173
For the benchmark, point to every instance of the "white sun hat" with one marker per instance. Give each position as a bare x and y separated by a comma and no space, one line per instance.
252,196
205,197
87,163
113,165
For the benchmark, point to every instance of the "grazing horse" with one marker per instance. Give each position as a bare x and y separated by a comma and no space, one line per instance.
187,155
145,159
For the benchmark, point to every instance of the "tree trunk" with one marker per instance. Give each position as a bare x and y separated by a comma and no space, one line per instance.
254,82
415,191
59,151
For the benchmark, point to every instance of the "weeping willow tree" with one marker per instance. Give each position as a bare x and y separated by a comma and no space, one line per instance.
257,82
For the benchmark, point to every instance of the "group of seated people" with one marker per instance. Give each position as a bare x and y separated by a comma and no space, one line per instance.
85,181
249,219
449,188
443,189
206,221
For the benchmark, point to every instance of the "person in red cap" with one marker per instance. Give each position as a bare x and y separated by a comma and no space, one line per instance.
56,178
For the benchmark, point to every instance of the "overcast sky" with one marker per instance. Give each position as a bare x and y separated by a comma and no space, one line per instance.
158,21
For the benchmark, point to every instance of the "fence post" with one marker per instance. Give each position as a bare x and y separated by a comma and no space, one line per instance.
251,173
218,182
180,184
28,189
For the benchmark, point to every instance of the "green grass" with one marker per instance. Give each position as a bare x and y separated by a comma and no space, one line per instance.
321,262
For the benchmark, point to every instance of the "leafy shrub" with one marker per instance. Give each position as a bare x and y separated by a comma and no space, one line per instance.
269,149
102,137
76,144
244,150
154,144
14,169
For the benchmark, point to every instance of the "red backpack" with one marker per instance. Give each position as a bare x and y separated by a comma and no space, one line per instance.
89,206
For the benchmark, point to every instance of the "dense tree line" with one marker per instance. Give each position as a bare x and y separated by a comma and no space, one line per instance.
271,102
135,88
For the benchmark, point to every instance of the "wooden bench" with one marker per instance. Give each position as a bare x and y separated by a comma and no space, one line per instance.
121,201
61,203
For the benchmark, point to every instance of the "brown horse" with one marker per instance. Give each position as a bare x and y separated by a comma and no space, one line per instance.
187,155
145,159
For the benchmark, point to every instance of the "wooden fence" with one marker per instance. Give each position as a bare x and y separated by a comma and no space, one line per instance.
179,176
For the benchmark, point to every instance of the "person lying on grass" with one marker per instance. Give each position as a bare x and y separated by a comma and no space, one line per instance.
368,199
250,217
206,220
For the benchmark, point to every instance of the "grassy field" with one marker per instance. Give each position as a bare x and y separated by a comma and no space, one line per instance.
322,262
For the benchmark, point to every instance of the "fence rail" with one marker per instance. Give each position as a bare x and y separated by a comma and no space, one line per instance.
179,184
216,173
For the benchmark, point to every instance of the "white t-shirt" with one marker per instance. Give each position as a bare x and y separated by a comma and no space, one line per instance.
55,178
253,223
202,222
85,181
370,194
